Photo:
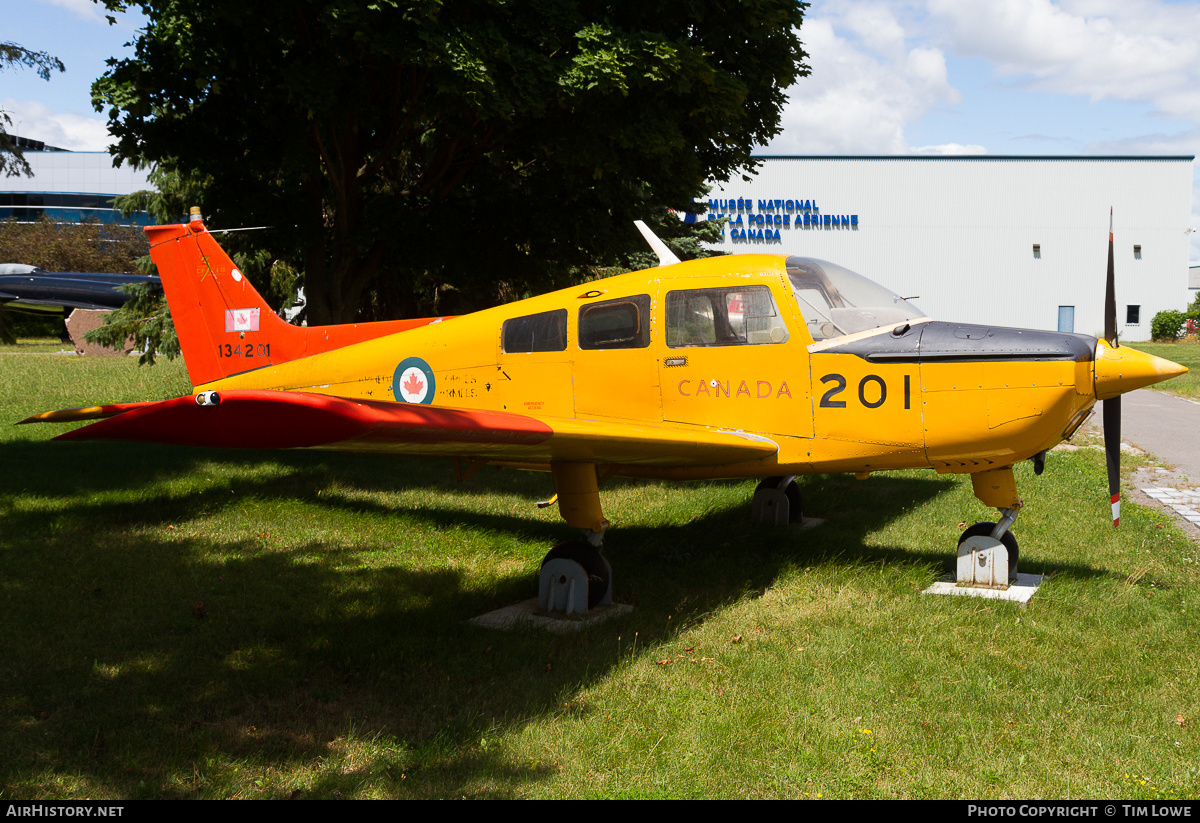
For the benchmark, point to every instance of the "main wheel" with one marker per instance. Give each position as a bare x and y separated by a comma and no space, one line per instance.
1008,540
587,556
791,490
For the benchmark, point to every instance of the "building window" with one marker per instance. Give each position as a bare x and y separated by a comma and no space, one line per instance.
1137,252
1037,251
1133,315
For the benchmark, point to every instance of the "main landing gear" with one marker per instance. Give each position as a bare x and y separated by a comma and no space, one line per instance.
988,552
575,577
777,501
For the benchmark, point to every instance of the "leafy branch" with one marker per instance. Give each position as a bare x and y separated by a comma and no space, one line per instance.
146,318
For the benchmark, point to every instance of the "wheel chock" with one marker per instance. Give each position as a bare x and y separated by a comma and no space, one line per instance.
564,587
770,507
982,563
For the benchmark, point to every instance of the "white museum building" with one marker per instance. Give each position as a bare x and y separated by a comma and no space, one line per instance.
1006,241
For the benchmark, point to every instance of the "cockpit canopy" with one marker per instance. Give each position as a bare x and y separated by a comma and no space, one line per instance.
836,301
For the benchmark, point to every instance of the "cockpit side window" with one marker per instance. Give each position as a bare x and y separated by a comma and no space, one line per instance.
836,301
623,323
546,331
731,316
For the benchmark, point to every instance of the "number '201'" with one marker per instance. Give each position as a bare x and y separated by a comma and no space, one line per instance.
871,398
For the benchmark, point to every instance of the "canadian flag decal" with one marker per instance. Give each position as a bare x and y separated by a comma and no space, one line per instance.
241,320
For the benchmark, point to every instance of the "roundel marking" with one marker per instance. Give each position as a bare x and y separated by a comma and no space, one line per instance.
414,382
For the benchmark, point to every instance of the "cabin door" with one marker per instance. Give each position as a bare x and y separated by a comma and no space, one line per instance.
728,359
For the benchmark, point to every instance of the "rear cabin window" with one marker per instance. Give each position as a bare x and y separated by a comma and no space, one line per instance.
546,331
732,316
616,324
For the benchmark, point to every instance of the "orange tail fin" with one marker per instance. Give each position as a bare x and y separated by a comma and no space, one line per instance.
224,325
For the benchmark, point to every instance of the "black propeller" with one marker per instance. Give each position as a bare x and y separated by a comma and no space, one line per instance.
1112,406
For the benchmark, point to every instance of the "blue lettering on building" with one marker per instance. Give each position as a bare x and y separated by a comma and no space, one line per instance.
744,215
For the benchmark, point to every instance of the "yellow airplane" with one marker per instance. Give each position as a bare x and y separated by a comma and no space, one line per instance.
764,366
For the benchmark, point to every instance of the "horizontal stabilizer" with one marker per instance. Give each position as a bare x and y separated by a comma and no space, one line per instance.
85,413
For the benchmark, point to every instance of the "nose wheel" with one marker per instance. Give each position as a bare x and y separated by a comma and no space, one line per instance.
980,550
988,553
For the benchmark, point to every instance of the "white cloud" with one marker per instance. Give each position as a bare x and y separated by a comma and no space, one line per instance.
947,149
85,9
66,131
866,85
879,67
1134,50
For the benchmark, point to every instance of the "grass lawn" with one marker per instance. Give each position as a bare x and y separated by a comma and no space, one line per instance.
39,345
198,624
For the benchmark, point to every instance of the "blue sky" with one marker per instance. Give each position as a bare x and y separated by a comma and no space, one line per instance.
59,111
888,77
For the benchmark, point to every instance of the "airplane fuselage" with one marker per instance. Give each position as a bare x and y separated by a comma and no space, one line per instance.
741,366
723,343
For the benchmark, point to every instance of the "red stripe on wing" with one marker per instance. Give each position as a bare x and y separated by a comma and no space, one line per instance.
287,420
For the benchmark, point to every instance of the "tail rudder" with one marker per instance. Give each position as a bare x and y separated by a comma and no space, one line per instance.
223,324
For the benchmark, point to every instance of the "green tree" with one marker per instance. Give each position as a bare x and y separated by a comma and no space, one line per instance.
146,318
400,150
1167,326
12,161
91,246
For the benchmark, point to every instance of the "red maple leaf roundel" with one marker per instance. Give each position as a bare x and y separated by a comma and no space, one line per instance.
412,385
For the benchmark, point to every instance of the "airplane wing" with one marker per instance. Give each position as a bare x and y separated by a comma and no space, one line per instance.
286,420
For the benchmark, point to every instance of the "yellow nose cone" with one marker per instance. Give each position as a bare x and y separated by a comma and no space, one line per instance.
1122,370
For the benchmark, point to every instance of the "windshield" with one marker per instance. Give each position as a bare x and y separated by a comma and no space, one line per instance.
836,301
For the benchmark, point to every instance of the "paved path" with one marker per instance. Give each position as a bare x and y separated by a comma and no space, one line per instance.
1168,428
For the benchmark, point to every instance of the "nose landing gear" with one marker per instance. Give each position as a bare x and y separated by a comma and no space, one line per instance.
988,552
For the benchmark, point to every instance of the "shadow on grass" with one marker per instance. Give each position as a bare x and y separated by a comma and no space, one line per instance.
141,660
